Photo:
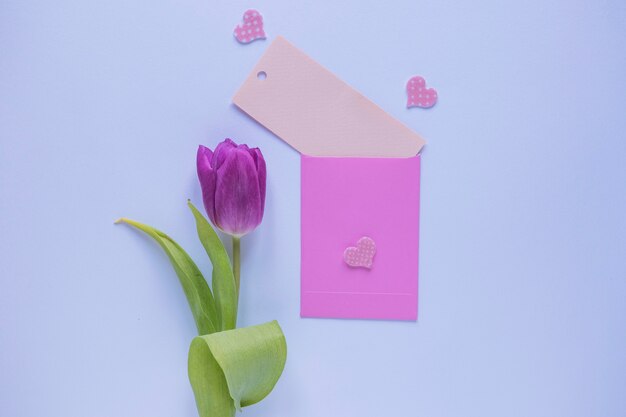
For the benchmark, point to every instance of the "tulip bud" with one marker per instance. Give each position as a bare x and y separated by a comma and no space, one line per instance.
233,186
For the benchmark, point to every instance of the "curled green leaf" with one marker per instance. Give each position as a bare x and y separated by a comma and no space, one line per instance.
223,279
235,368
194,285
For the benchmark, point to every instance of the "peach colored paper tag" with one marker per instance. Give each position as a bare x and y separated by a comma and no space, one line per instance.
318,114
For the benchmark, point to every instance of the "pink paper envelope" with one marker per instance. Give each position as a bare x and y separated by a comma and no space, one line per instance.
360,179
344,199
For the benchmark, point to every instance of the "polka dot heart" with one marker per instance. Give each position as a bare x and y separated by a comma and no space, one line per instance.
251,29
362,255
418,95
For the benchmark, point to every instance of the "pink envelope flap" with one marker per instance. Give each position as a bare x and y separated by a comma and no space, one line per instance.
318,114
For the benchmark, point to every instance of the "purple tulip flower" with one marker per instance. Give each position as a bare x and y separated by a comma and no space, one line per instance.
232,179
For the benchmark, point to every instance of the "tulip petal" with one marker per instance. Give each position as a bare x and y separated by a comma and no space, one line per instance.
262,174
207,153
221,152
208,178
238,207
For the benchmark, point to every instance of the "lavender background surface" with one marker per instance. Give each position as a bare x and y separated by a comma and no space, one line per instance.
523,217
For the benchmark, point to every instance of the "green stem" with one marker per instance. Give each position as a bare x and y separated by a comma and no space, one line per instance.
236,262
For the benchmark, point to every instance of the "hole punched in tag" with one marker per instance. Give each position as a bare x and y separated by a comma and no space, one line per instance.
261,75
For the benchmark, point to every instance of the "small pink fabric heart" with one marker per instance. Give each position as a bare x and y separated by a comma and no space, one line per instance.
362,255
418,95
251,29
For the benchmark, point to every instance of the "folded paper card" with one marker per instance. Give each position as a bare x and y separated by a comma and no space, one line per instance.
360,187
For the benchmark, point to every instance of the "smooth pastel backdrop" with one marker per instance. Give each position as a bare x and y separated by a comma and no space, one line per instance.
523,225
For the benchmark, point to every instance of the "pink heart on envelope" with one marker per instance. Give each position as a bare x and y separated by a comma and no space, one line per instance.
251,29
418,95
362,255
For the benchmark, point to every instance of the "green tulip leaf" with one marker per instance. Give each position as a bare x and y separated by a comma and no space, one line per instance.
194,285
235,368
223,278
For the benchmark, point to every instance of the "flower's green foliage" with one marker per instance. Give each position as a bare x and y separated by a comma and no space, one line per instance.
228,368
194,285
223,280
235,368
